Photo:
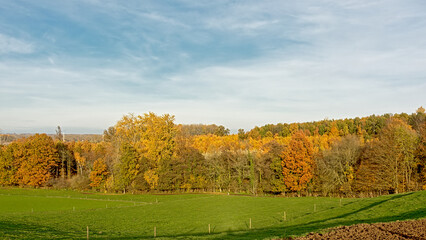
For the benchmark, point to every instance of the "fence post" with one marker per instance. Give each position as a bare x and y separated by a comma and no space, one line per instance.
155,231
250,223
209,228
87,232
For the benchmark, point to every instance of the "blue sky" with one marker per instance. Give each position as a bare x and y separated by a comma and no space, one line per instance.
84,64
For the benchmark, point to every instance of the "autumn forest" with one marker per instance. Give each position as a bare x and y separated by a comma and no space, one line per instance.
151,153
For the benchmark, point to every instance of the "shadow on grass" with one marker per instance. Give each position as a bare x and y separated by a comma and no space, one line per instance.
13,230
285,231
374,204
22,230
299,229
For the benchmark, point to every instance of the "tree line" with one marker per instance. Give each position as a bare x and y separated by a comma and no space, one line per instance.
150,153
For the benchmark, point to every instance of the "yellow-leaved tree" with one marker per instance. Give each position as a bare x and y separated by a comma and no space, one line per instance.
153,137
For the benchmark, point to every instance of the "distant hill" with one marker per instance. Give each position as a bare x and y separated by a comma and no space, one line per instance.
8,138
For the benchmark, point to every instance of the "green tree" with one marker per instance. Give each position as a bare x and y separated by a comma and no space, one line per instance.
67,163
336,165
242,135
269,169
421,156
417,119
109,134
128,167
389,163
221,131
188,170
7,165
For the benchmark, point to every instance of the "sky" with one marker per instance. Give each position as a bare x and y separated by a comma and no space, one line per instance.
84,64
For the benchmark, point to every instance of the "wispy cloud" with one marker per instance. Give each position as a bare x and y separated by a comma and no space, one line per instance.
13,45
241,64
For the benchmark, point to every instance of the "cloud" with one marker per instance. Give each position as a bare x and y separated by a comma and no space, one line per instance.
231,25
13,45
239,64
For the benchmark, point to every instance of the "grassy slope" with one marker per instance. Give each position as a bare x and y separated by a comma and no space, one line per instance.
50,214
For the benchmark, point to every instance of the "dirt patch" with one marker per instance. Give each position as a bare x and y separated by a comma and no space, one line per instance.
413,229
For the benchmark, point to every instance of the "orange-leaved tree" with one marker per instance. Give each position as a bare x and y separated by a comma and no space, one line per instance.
37,159
297,162
99,173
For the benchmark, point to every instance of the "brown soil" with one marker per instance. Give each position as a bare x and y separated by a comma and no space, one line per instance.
413,229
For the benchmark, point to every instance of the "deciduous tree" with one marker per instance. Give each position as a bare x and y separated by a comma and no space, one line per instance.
99,174
336,165
7,165
37,160
389,163
297,163
128,166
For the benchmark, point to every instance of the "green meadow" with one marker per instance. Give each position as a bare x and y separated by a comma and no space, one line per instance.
63,214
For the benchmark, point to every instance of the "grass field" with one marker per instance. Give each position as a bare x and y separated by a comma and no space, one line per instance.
44,214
